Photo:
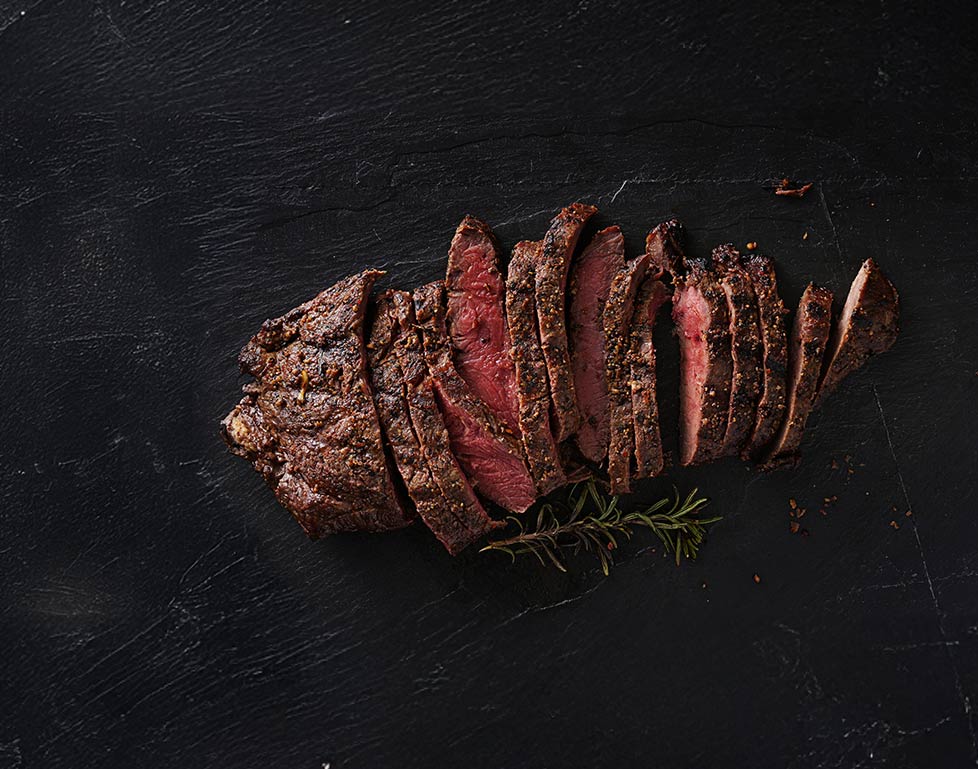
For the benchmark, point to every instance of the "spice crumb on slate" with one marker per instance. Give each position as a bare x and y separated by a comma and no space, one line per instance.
794,526
805,236
757,579
908,513
751,245
894,524
785,189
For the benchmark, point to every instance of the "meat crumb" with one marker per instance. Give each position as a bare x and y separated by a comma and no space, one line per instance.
894,524
785,189
751,246
794,526
792,503
908,513
757,579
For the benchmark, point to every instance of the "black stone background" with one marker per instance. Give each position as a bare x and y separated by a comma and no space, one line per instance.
172,173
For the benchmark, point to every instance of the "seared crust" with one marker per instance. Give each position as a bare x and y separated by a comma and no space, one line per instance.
308,422
470,519
771,406
429,308
552,265
705,443
652,295
531,369
809,336
870,329
746,347
618,313
390,395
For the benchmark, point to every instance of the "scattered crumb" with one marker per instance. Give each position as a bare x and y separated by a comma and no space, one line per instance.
834,465
872,204
823,511
805,236
793,504
757,579
703,586
893,508
801,512
908,513
894,524
785,189
794,526
751,246
804,532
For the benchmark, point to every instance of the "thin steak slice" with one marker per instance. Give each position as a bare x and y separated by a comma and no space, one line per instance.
490,455
476,320
390,396
652,295
664,247
618,312
308,422
868,325
553,262
809,336
531,370
770,408
747,348
703,324
590,282
463,519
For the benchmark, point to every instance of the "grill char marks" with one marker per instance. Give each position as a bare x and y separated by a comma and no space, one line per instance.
490,456
706,367
652,295
311,401
390,396
531,370
476,320
590,283
461,520
771,406
868,325
747,348
809,336
618,313
552,265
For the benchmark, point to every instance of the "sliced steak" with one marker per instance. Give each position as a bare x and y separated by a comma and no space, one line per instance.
664,247
868,325
531,370
552,264
489,454
308,422
652,295
590,282
770,407
747,348
809,336
706,366
462,520
390,396
476,320
618,312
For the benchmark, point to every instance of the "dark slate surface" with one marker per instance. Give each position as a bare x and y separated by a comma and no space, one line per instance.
173,173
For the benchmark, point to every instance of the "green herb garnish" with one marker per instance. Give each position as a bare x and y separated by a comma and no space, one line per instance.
591,520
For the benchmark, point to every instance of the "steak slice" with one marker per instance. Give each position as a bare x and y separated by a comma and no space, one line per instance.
552,265
747,348
618,312
490,455
868,325
308,422
390,396
652,295
664,247
590,282
531,370
809,336
770,407
476,320
706,366
463,520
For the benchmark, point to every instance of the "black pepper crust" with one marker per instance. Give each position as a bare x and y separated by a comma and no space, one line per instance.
552,264
771,406
531,369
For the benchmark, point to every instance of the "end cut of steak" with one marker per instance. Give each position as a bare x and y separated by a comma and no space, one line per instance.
652,295
476,320
590,282
706,367
390,395
490,455
868,325
618,314
809,336
770,408
746,347
664,247
462,520
308,422
553,262
531,370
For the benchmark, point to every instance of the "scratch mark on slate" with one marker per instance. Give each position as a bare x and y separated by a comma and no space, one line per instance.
965,702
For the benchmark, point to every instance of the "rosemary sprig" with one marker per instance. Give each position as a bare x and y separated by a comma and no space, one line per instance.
593,521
